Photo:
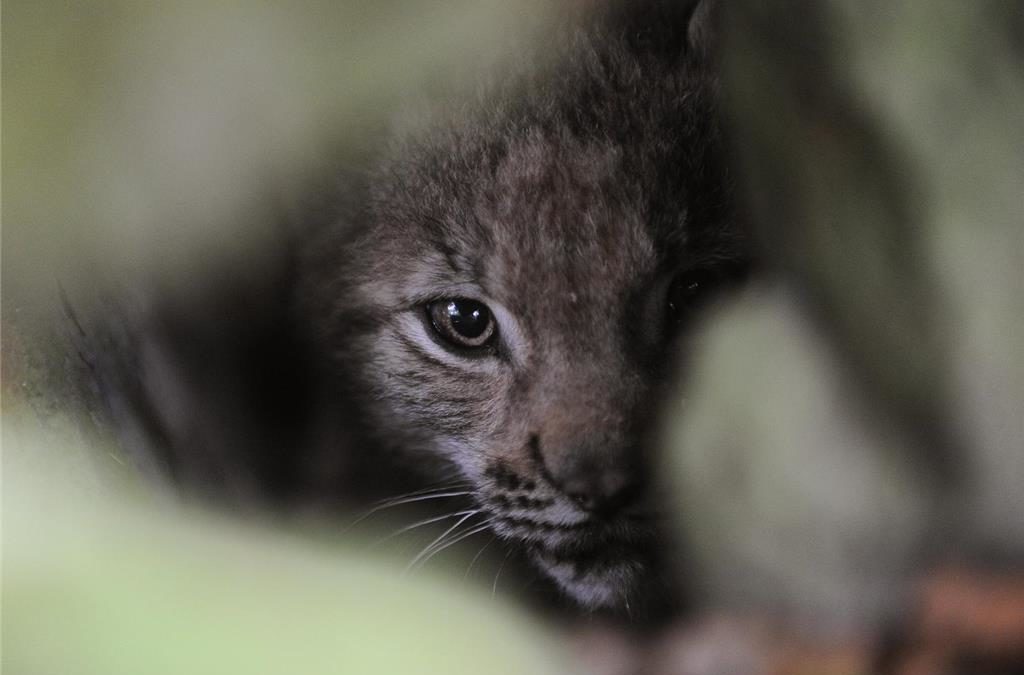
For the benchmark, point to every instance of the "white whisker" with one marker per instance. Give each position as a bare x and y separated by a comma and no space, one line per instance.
475,530
424,491
477,556
494,586
399,501
421,523
434,543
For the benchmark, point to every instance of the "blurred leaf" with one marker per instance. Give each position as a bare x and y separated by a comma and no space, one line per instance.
97,583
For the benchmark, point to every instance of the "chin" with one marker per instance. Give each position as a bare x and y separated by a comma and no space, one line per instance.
599,578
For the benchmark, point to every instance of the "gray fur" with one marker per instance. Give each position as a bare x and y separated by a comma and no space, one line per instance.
566,198
566,204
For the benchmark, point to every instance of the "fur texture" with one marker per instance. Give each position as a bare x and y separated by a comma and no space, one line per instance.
567,204
574,202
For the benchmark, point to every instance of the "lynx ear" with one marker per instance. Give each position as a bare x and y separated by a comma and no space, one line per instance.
665,28
701,30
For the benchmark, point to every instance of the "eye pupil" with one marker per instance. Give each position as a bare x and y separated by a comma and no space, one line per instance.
462,322
468,318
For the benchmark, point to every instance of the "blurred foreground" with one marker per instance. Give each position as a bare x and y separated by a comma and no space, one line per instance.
852,426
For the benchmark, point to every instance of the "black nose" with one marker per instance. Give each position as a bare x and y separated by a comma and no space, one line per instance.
601,493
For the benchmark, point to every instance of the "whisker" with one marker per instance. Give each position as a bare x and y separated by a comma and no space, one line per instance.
399,501
454,473
494,586
477,556
465,535
441,538
421,523
414,493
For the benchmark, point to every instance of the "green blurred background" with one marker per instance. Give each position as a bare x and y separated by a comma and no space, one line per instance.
144,143
848,422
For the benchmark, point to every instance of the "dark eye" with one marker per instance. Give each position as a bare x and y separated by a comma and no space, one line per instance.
463,323
689,294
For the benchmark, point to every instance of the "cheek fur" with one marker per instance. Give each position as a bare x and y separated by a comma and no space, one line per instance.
448,399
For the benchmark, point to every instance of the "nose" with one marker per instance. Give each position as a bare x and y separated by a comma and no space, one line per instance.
598,489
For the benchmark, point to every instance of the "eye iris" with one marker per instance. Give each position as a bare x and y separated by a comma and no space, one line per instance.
469,319
461,322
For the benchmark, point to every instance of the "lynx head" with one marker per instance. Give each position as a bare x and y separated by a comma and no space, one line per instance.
512,292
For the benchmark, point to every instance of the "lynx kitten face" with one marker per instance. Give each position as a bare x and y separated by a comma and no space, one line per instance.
517,283
504,294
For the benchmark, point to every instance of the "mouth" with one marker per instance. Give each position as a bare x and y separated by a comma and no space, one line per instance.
599,558
599,564
596,575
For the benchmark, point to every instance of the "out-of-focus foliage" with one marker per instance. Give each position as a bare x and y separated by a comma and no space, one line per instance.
793,496
864,419
155,138
97,583
156,141
840,428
